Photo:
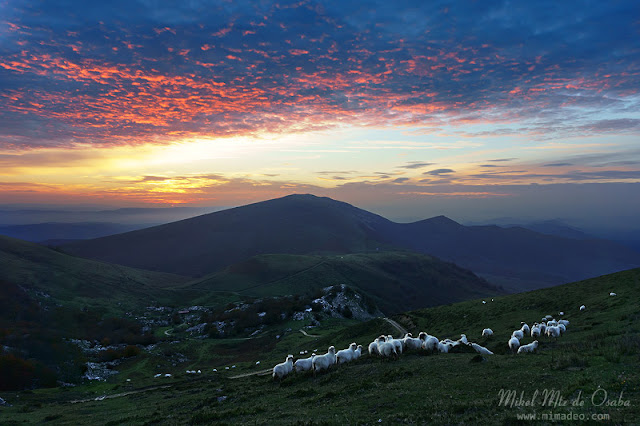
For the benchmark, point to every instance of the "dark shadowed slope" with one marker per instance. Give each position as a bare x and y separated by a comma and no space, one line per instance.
397,281
296,224
44,232
75,281
515,258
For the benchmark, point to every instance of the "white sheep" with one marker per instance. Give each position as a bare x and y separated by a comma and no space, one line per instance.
430,343
563,322
562,328
463,339
411,342
528,348
487,332
399,344
561,313
514,344
525,328
304,364
373,348
518,334
553,331
387,349
444,346
535,331
323,362
358,352
582,308
346,355
552,323
612,294
284,368
481,349
542,327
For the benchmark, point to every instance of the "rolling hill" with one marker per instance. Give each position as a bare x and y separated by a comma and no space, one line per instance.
598,354
515,258
397,281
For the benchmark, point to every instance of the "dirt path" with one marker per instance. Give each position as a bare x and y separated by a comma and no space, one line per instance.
118,395
397,326
307,334
255,373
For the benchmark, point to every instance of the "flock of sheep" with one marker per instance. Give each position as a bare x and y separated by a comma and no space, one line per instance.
388,347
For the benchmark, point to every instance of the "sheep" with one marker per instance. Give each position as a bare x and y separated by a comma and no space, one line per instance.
346,355
358,352
444,346
514,344
535,332
373,348
548,317
480,349
552,323
542,327
463,339
519,334
284,368
525,328
411,342
487,332
561,313
430,343
562,328
484,303
528,348
563,322
399,344
553,331
387,349
304,364
582,308
423,336
612,294
323,362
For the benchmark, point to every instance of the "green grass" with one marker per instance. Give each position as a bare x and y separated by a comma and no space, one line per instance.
601,349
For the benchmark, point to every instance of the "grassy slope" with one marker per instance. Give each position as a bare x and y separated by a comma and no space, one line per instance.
600,349
77,282
396,280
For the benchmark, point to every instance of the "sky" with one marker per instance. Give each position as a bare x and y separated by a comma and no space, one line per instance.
472,109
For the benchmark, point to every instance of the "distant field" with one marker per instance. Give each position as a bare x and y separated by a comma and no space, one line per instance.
600,352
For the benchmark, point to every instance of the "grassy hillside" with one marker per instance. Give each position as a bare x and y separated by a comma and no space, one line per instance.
599,353
397,281
78,282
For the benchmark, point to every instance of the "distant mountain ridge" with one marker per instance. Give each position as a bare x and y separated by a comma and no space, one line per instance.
516,258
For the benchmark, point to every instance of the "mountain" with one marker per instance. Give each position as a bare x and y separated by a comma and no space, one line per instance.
396,281
73,281
515,258
53,231
296,224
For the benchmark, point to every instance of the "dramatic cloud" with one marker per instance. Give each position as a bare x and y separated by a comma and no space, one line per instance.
438,172
415,165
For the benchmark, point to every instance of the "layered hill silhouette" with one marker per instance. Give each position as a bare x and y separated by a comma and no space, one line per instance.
396,281
516,258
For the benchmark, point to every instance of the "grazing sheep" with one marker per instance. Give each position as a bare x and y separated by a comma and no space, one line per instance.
487,332
612,294
463,339
423,336
553,331
582,308
548,317
480,349
284,368
563,322
358,352
562,328
387,349
514,344
552,323
542,327
430,343
399,344
484,303
411,342
444,346
525,328
304,364
323,362
346,355
561,313
528,348
519,334
535,332
373,348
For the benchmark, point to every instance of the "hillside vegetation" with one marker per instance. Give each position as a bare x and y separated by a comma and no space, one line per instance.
514,258
397,281
599,353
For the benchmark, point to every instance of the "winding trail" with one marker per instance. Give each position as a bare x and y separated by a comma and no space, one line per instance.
118,395
307,334
255,373
397,326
